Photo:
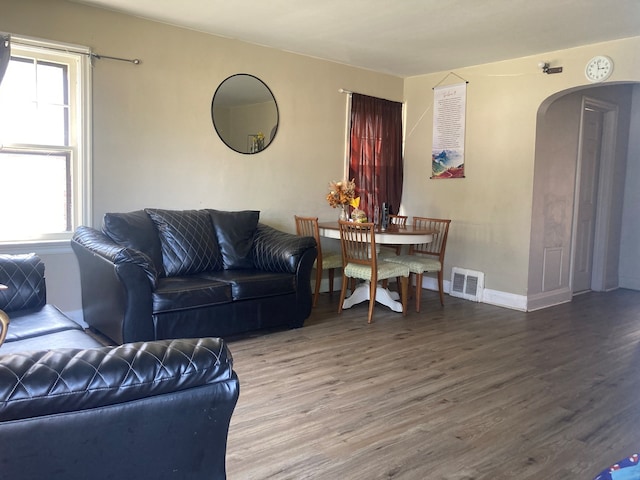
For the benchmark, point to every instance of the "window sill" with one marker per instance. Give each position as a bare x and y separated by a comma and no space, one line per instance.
38,246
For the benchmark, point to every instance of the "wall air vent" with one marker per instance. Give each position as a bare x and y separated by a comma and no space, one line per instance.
467,284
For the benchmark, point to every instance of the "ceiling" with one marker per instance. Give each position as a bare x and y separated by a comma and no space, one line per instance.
403,37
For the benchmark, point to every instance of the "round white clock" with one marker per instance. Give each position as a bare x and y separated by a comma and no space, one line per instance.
599,68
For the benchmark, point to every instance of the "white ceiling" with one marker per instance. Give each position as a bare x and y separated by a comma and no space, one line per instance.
401,37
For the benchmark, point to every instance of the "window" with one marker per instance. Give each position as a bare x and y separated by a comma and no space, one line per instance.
375,160
44,159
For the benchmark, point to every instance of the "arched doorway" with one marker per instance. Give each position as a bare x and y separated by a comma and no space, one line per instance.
554,234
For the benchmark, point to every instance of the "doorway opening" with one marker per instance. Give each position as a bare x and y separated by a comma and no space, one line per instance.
593,195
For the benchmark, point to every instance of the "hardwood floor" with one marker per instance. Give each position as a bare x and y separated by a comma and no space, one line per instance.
468,391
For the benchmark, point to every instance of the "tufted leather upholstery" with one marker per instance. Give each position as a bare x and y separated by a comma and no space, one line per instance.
72,408
208,285
36,383
24,277
157,410
188,241
276,251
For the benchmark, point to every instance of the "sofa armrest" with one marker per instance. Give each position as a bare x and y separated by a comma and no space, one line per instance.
100,244
46,382
117,284
277,251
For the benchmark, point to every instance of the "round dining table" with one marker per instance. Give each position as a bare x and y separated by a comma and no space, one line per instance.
392,235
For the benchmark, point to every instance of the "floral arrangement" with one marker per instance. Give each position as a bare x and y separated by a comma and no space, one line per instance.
258,142
342,193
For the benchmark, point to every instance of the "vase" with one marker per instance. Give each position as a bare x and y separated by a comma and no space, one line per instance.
358,216
344,212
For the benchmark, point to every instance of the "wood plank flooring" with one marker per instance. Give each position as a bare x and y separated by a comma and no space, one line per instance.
461,392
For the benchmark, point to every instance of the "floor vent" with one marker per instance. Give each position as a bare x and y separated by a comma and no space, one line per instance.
467,284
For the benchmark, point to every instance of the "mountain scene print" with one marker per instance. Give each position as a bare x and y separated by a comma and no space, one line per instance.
447,164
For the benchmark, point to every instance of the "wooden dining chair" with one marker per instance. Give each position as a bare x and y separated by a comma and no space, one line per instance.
398,221
360,261
426,257
308,227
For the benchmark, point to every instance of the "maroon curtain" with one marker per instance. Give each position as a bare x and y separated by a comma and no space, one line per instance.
375,160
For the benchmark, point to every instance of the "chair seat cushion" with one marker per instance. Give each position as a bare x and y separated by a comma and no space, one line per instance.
385,270
331,260
386,252
416,263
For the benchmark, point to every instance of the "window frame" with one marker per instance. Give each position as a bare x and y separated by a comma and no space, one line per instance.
79,148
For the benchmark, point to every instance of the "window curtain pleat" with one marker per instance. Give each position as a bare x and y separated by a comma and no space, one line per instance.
375,160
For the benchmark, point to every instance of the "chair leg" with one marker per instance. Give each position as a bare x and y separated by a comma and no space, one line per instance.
418,291
372,299
343,293
404,286
385,283
316,291
331,274
440,287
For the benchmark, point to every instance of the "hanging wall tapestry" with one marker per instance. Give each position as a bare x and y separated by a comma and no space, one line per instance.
449,109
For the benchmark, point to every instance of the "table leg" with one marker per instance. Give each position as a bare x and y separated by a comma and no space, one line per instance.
383,296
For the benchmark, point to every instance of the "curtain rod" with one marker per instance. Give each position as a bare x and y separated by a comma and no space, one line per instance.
349,92
135,61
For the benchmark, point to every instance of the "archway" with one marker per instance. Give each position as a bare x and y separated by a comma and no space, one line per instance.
558,137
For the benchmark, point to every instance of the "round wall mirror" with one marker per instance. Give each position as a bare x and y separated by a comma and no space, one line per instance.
245,113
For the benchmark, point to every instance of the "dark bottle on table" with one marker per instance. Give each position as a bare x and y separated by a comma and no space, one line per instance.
384,221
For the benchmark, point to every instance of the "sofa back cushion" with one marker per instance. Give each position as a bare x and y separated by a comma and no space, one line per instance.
235,232
137,231
23,275
187,240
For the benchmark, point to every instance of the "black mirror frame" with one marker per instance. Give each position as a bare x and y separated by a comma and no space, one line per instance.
274,130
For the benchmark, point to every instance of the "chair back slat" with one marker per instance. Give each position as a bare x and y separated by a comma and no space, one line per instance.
438,245
308,227
358,242
400,220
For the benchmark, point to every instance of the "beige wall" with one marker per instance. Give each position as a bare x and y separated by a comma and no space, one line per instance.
491,208
154,143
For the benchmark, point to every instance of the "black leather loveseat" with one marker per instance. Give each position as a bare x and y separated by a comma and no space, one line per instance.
73,409
157,274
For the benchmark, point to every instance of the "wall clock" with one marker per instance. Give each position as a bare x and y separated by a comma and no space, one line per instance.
599,68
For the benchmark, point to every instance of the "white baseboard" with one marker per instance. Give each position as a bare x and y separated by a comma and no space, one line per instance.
505,299
521,303
492,297
549,299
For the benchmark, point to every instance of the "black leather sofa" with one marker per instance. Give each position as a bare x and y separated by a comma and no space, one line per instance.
158,274
73,409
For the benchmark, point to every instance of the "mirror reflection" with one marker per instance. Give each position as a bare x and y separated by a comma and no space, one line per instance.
244,113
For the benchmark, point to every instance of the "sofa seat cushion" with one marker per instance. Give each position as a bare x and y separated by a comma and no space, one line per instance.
51,341
36,322
190,291
250,284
